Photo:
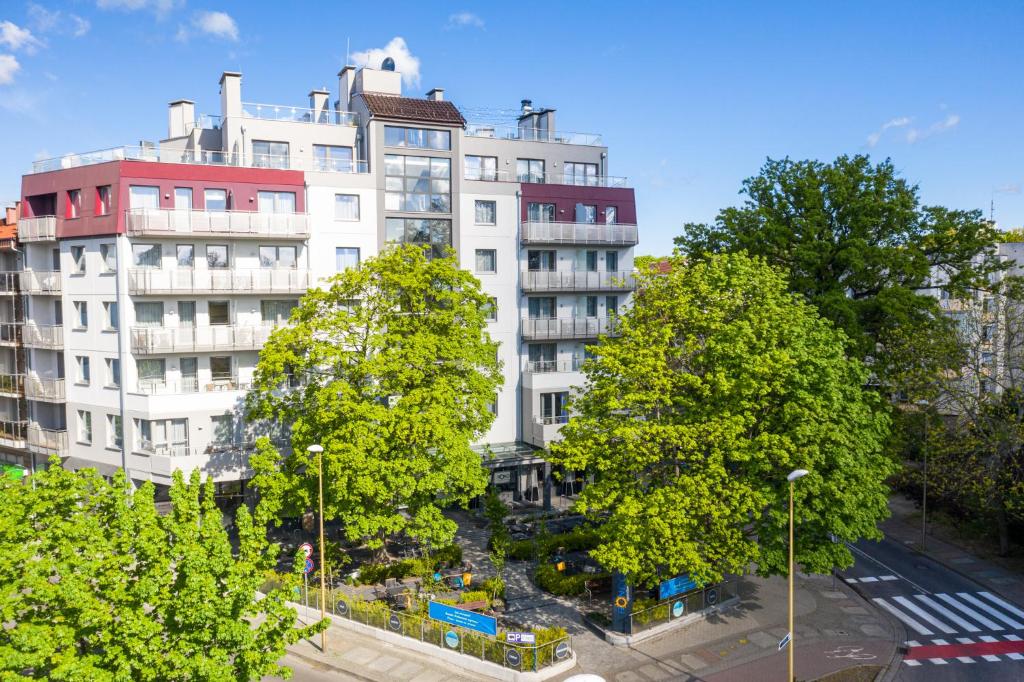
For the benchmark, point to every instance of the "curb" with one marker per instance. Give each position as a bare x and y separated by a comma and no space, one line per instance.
313,661
963,574
892,668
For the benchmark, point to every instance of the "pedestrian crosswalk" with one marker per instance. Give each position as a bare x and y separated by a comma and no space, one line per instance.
871,579
948,614
984,648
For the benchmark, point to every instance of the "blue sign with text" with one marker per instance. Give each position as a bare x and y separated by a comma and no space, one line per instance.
670,588
477,622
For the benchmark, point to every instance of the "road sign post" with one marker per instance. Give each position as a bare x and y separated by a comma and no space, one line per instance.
784,642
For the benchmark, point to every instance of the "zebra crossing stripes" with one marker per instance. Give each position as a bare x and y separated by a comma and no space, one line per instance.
986,648
871,579
947,614
991,610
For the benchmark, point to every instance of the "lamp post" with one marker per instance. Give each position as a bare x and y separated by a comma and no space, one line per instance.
793,475
923,404
318,451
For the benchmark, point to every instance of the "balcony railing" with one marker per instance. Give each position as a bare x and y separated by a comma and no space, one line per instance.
40,282
146,447
12,384
170,222
280,112
567,328
46,441
12,433
9,282
552,366
153,340
551,178
191,385
576,280
547,429
10,333
39,229
44,388
579,233
142,281
43,336
500,132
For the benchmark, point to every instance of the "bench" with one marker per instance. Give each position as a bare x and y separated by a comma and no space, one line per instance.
473,605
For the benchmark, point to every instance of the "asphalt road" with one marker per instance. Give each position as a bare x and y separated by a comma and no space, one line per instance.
955,628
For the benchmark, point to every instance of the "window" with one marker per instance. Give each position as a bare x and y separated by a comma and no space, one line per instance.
417,184
183,198
542,356
110,315
330,158
486,260
85,427
589,307
543,261
186,313
222,429
77,260
580,174
277,202
417,138
491,310
530,170
486,212
435,233
220,312
553,407
74,203
611,261
58,316
113,373
81,315
152,373
540,213
220,368
186,255
149,313
277,257
114,434
55,259
189,368
492,406
586,213
146,255
542,308
266,154
611,306
987,333
276,312
346,257
216,256
82,369
481,168
108,254
346,207
590,261
103,200
143,197
215,199
163,436
987,357
611,215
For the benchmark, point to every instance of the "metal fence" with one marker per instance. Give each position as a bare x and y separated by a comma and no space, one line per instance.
683,605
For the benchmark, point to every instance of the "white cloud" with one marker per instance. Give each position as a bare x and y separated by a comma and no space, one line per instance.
945,125
8,67
18,38
1009,188
160,7
405,63
464,20
79,26
898,122
56,21
217,24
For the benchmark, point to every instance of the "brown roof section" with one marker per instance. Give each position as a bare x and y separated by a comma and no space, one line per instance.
413,109
9,223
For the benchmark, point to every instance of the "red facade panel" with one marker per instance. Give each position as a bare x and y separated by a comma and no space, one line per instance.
565,198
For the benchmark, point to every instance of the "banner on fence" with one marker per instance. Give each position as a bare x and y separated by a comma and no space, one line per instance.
477,622
670,588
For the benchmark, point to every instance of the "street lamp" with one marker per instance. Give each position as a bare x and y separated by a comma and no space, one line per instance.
923,404
318,451
793,475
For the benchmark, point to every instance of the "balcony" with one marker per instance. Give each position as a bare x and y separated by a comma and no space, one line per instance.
12,385
280,112
575,280
40,229
546,429
579,233
10,333
552,366
169,222
46,441
153,281
47,389
12,433
550,178
542,329
499,132
43,336
44,282
158,340
9,282
191,385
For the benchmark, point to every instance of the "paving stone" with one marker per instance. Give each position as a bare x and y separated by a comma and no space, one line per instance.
833,595
383,663
655,673
406,671
359,655
874,630
763,639
855,610
628,676
692,662
429,676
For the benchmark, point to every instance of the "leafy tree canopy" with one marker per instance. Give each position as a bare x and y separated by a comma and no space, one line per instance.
392,372
95,585
719,385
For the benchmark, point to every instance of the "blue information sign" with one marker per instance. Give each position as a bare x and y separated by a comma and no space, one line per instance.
477,622
674,586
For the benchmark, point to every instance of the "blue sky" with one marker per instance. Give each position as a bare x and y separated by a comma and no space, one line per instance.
690,97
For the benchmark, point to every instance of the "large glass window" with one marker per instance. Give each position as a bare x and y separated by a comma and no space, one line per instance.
540,213
110,315
113,372
81,315
435,233
268,154
611,306
186,255
220,312
83,375
417,138
84,427
486,212
346,257
220,368
183,198
108,255
486,260
114,436
74,203
331,158
611,215
544,261
277,257
186,313
481,168
277,202
580,174
530,170
163,436
152,373
146,255
346,207
586,213
103,200
417,184
149,314
78,260
553,407
140,196
276,312
542,307
223,429
215,199
217,256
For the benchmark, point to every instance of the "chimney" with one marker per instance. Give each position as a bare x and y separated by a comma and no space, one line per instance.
181,117
231,94
346,83
12,215
527,105
436,95
318,103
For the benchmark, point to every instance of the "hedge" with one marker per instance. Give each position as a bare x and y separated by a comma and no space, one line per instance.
550,579
424,567
542,546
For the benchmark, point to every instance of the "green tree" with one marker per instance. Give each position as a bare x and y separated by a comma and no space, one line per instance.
857,243
719,384
95,585
392,371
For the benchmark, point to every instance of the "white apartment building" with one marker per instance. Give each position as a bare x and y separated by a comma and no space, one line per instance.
152,275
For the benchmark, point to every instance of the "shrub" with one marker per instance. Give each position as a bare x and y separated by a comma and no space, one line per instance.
424,567
474,595
550,579
495,587
649,610
543,546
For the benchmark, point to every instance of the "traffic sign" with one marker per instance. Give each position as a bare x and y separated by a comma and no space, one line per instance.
784,642
521,637
711,597
678,608
341,607
394,622
513,658
451,638
306,549
309,566
562,650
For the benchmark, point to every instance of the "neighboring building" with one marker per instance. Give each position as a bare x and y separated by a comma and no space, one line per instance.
153,274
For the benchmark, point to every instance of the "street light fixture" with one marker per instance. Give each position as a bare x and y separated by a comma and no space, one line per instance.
792,477
318,452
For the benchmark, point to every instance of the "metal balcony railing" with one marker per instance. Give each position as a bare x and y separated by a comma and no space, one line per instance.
579,233
280,112
9,282
547,429
567,328
548,178
191,385
552,366
172,222
40,282
12,433
12,384
42,336
46,441
39,229
576,280
143,281
156,340
44,388
10,333
504,132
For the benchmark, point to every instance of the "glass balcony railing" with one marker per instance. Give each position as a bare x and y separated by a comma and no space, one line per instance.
552,366
40,282
504,132
171,222
281,112
576,280
149,281
38,229
579,233
549,178
536,329
159,340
